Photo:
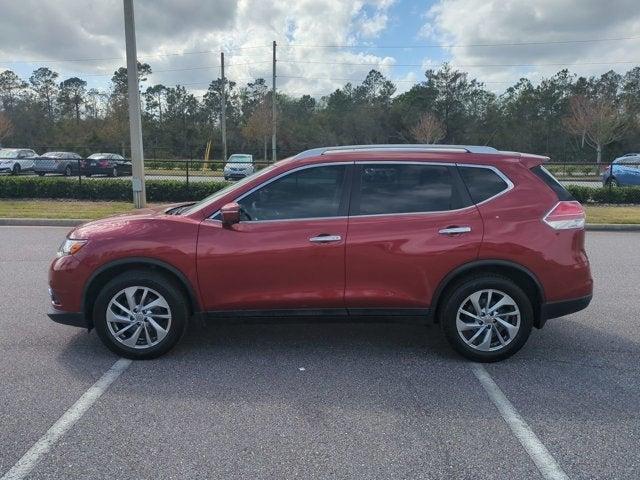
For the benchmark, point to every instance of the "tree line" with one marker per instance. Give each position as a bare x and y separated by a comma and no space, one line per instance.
565,116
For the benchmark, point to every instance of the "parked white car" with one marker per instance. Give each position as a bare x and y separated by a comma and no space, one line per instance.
16,160
238,166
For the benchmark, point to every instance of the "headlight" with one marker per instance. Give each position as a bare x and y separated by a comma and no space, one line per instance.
70,246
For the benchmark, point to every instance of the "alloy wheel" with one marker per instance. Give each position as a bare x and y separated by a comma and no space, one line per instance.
488,320
138,317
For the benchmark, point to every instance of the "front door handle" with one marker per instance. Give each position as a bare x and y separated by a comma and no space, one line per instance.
454,230
325,238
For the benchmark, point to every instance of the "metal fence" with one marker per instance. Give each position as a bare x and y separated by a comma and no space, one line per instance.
193,172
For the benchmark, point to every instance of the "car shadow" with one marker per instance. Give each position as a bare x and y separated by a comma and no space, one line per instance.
224,356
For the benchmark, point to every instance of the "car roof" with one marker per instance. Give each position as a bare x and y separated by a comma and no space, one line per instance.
476,154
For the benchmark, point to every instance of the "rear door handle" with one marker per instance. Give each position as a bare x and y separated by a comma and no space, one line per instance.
325,238
454,230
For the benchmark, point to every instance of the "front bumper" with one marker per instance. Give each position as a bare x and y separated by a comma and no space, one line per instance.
75,319
551,310
236,175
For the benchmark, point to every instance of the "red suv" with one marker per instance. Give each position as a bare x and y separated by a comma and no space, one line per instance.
487,243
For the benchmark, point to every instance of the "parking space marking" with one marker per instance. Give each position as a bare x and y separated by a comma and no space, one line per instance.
541,457
29,460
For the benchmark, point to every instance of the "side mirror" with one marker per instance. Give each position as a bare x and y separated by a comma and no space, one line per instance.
230,214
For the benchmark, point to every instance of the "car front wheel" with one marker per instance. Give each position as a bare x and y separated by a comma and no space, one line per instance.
487,318
15,170
140,315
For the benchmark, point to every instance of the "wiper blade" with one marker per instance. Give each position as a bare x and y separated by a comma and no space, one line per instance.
179,209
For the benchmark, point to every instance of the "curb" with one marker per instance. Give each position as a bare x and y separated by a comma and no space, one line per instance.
41,222
74,222
612,227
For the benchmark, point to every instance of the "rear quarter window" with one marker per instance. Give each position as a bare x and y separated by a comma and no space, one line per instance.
546,176
482,183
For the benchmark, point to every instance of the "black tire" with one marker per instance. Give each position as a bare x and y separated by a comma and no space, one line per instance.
88,175
166,287
67,171
455,299
16,169
41,174
613,182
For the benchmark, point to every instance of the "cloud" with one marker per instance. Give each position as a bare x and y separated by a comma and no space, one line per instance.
39,31
463,23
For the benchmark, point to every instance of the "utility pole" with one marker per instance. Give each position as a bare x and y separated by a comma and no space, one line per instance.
223,114
135,124
273,106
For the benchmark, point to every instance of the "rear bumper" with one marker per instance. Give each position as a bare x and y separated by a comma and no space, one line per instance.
551,310
75,319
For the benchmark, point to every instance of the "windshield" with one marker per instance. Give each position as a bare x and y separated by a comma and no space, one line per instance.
234,186
97,156
235,158
8,153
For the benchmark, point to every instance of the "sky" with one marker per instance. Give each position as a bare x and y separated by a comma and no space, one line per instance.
322,44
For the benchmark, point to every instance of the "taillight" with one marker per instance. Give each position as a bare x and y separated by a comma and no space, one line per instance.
565,215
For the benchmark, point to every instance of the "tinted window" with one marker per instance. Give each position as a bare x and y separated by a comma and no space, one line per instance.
309,193
404,188
483,183
544,175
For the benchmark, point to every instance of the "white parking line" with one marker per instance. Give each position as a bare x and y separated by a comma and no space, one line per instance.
29,460
541,457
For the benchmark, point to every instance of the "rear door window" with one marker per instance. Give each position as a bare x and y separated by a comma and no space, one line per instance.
483,183
391,188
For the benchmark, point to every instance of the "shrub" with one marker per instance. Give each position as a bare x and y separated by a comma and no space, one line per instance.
580,193
104,189
616,195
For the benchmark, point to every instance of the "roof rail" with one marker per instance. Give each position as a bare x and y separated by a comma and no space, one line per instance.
400,146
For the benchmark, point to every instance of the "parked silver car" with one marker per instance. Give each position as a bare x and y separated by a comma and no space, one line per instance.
16,160
66,163
238,166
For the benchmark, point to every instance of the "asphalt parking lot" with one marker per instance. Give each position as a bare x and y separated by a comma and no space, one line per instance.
326,400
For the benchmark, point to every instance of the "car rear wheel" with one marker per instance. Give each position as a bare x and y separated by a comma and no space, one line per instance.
16,169
67,171
613,182
487,318
114,172
140,315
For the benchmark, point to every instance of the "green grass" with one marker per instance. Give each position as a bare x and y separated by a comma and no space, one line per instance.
61,209
92,210
613,214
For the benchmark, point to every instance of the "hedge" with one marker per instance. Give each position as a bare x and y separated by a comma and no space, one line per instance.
179,191
614,195
107,189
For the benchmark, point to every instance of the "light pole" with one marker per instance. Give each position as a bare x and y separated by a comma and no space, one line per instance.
135,123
